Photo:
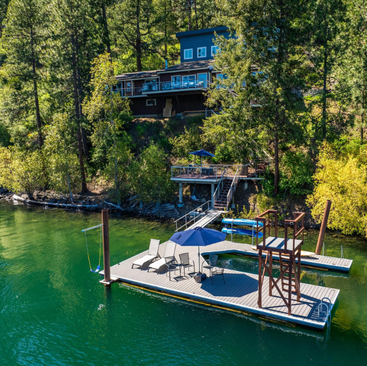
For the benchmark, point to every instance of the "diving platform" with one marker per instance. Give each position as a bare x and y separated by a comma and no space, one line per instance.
239,292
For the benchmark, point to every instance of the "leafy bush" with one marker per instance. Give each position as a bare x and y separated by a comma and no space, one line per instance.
151,176
296,171
22,171
342,178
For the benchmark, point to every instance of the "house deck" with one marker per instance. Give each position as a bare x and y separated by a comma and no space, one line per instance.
238,293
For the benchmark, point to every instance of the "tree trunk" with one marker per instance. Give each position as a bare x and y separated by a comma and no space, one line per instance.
196,16
77,115
106,32
276,163
324,91
189,14
80,96
35,93
138,39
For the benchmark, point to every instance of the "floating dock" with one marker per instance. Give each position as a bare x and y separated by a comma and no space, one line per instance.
315,261
239,293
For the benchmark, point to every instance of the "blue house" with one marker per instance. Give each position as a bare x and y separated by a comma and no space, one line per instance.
199,45
176,90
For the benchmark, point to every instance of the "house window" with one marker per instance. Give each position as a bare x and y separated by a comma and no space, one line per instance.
151,102
202,80
188,54
201,52
189,81
176,82
215,50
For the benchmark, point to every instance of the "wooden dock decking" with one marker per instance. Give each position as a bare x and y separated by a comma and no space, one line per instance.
238,293
315,261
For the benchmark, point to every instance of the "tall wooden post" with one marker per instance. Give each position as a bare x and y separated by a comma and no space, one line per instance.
323,227
106,248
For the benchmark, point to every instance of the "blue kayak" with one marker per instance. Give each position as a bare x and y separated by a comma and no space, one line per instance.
241,222
236,231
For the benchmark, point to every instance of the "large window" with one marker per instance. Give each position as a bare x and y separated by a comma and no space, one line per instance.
189,81
201,52
215,50
202,80
188,54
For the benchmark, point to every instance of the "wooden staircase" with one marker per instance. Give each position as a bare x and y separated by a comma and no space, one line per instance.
220,203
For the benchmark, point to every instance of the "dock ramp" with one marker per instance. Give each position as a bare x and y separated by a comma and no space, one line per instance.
200,216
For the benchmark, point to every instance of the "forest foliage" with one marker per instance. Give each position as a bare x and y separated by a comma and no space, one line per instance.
293,87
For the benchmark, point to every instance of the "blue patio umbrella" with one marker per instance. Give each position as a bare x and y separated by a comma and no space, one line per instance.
201,153
198,237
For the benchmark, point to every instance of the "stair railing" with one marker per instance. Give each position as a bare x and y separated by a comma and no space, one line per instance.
198,213
232,189
219,186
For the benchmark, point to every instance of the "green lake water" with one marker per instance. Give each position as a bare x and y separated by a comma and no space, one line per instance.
54,311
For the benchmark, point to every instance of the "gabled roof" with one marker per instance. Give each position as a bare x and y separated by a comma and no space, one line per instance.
202,31
138,75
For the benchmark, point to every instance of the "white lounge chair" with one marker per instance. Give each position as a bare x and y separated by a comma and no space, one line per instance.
169,258
152,254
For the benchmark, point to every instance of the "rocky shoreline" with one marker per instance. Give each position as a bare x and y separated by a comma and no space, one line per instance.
90,203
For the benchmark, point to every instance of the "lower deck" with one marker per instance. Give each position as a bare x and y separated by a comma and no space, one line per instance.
239,292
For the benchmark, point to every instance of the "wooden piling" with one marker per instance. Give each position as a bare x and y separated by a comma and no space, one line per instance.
323,227
106,248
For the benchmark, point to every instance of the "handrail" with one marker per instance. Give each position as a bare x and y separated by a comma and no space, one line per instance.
197,209
299,216
217,191
232,188
266,223
327,303
213,170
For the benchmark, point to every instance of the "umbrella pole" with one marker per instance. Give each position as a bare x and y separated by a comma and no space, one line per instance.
199,259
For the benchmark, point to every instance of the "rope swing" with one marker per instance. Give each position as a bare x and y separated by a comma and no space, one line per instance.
100,249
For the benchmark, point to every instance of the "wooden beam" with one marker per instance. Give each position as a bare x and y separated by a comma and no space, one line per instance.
323,227
106,248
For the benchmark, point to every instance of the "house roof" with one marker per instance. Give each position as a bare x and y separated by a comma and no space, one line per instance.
191,65
138,75
184,66
202,31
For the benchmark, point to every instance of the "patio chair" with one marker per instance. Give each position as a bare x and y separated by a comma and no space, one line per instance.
212,261
217,271
152,254
185,262
167,260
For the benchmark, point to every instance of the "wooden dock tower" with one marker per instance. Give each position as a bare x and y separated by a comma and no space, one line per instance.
284,248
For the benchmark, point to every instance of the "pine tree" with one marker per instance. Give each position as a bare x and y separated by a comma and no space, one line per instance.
132,24
78,39
264,67
25,39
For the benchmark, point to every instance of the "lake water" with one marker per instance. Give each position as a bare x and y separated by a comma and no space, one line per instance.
55,312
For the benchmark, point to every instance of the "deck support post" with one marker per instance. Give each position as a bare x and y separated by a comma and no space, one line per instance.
180,193
259,302
323,227
212,194
106,249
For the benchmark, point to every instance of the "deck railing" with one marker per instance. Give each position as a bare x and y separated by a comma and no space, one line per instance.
219,186
161,86
214,171
232,189
198,213
298,218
